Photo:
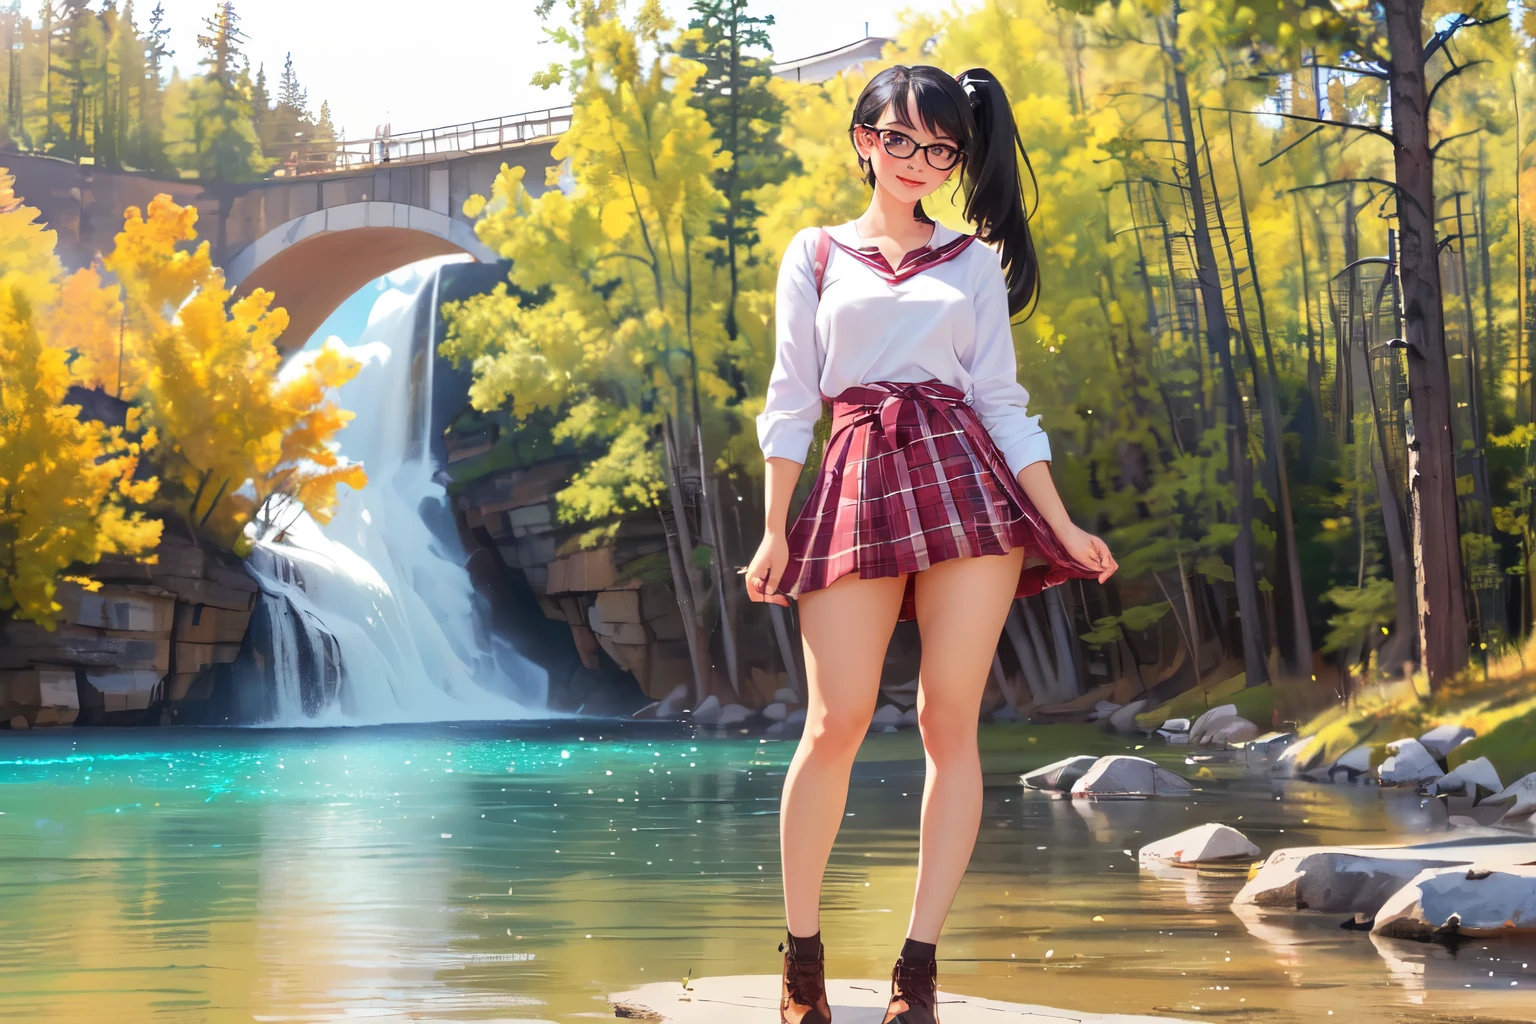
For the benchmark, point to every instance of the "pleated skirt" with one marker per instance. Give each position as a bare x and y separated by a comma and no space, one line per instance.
911,478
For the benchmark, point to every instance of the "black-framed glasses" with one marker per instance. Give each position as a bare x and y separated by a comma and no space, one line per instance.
941,156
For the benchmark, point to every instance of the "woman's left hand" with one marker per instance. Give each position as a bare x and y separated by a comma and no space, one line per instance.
1089,551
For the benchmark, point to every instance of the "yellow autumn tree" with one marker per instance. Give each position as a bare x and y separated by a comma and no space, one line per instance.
67,487
236,436
633,324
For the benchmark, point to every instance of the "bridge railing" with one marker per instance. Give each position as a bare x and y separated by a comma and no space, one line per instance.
411,147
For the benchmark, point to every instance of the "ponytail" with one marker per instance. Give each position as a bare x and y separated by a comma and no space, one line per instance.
993,186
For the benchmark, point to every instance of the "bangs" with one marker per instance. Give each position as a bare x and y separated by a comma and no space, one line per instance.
938,100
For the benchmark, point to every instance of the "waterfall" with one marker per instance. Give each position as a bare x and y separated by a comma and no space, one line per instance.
372,617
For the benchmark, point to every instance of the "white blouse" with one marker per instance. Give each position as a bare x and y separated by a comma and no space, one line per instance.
949,321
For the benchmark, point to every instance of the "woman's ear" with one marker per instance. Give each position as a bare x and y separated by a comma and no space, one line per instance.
861,144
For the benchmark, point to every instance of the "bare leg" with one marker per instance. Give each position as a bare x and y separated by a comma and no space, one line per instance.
961,607
846,628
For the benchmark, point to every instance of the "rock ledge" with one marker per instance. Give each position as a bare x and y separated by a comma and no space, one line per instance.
754,999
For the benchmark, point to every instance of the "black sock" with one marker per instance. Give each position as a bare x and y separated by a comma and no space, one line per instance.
916,952
804,948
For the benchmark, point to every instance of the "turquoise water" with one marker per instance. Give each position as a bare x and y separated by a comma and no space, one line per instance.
525,872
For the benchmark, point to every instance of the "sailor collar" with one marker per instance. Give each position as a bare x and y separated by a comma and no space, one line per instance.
945,245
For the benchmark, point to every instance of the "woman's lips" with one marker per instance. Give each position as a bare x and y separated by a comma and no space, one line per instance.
910,183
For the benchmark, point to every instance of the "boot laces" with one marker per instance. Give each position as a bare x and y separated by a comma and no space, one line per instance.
804,979
916,983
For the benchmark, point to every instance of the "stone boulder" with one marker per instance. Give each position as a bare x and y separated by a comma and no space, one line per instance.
1174,731
1443,739
1408,763
674,703
1230,732
1202,844
1442,903
775,712
1519,799
1123,719
1268,747
1201,724
1360,879
734,714
1476,779
1301,758
1058,776
885,715
1121,775
1103,709
1353,764
708,711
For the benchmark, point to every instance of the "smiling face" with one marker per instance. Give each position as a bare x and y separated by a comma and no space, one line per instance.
911,177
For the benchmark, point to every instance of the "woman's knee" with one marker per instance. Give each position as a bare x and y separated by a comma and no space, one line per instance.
947,731
838,730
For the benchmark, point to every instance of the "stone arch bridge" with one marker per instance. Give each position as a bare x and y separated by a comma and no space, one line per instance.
312,238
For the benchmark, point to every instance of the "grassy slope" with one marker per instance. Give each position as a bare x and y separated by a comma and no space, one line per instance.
1500,706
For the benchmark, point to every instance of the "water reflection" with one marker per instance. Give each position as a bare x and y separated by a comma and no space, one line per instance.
523,873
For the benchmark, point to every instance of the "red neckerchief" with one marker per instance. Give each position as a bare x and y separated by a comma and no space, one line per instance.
913,263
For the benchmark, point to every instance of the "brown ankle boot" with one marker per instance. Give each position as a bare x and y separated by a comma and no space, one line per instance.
914,993
804,999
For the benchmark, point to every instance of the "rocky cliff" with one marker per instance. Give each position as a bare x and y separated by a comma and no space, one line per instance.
148,640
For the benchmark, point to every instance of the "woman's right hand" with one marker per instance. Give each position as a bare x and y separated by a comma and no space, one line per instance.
765,569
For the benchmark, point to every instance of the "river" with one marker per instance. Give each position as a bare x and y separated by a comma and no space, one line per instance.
478,872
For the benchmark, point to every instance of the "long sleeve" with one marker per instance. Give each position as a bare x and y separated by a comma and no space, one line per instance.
997,396
794,389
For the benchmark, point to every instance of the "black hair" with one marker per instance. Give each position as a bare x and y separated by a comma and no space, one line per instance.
972,109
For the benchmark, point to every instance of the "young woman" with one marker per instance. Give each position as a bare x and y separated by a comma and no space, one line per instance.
934,499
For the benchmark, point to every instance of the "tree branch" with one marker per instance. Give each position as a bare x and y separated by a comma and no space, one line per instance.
1345,181
1365,72
1458,22
1458,69
1369,129
1435,149
1287,149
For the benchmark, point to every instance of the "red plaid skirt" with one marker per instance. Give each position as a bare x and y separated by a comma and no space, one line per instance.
911,478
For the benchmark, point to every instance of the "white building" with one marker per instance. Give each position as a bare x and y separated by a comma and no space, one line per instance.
821,66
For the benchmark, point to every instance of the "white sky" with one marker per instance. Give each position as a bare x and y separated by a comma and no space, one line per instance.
423,65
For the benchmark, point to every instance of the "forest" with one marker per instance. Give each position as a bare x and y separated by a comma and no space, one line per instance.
86,81
1283,347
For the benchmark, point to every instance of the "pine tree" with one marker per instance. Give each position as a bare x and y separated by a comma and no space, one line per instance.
261,107
289,93
13,34
149,138
746,117
221,43
217,139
